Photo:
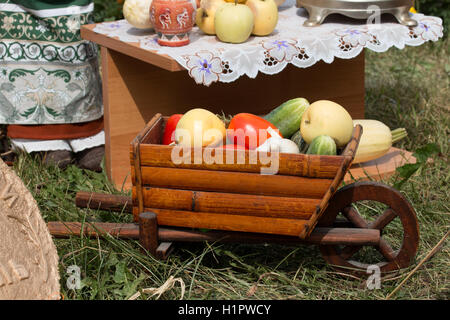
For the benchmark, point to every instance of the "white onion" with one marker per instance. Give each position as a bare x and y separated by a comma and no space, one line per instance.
277,144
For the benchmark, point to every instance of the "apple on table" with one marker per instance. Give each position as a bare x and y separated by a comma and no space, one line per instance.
266,16
234,21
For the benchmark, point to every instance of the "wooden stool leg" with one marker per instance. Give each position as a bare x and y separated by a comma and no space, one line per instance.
148,232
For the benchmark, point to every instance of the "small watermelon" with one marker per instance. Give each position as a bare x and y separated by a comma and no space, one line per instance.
323,145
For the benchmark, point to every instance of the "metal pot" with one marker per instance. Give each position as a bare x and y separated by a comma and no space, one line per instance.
359,9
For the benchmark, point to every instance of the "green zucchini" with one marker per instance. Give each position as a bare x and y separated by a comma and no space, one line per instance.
287,116
323,145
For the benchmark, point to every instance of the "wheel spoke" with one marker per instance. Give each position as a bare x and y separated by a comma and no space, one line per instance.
352,215
386,250
383,220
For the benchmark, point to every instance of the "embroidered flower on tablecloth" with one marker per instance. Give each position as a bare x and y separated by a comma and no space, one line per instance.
204,67
282,50
428,29
354,37
113,25
150,43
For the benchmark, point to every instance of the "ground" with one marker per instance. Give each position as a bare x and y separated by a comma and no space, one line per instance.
404,88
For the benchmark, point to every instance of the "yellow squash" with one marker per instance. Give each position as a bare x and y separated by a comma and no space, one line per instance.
376,139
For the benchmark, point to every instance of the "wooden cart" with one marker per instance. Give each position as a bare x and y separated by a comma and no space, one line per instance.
302,203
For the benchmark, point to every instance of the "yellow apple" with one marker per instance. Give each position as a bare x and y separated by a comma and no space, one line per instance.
234,22
326,118
204,17
266,16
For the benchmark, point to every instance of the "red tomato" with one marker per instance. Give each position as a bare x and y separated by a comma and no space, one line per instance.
171,125
249,130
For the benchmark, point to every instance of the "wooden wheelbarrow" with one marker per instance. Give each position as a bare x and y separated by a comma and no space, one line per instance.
301,203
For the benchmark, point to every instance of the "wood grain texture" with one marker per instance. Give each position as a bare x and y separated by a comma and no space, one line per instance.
348,154
148,232
398,208
59,229
380,169
240,161
199,201
323,236
235,182
217,221
99,201
151,132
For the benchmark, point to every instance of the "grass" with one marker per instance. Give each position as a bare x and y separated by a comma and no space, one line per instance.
404,88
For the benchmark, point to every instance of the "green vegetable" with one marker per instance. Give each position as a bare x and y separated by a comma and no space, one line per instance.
301,144
287,116
323,145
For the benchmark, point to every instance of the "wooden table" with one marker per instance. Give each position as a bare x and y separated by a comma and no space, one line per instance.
138,83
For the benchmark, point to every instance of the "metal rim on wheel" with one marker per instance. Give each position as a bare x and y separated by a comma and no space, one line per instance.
397,206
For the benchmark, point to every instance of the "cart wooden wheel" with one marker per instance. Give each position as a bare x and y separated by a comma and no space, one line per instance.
375,206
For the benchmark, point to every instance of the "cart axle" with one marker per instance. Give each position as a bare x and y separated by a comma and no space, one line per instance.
322,236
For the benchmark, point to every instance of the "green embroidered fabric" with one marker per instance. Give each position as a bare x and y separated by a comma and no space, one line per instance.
48,74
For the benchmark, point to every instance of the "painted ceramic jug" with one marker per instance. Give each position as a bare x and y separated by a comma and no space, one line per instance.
172,20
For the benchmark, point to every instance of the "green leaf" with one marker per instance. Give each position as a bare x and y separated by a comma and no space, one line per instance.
16,73
422,154
51,111
29,112
130,288
120,276
63,74
409,169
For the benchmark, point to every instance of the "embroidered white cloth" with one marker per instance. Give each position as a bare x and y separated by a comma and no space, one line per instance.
208,60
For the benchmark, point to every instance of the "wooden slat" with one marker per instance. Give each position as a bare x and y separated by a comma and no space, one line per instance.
229,203
281,226
235,182
123,230
323,236
99,201
250,161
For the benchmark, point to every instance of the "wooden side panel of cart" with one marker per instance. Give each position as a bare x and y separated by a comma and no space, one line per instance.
230,196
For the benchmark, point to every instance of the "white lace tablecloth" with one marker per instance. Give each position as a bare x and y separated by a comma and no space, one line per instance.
209,60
